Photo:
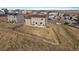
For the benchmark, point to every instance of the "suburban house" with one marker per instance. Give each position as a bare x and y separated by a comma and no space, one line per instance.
10,11
2,12
15,18
53,16
16,11
35,12
43,12
26,12
70,18
36,20
74,16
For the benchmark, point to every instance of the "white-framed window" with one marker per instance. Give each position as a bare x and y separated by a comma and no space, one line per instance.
36,23
41,18
41,23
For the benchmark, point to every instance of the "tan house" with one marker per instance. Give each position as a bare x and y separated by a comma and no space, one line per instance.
36,20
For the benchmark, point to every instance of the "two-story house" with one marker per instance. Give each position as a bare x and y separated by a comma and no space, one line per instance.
36,20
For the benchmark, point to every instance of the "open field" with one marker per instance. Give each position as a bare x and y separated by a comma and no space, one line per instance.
54,37
67,11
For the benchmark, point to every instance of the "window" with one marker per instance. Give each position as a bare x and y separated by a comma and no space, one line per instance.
36,22
42,19
40,22
33,23
70,18
43,25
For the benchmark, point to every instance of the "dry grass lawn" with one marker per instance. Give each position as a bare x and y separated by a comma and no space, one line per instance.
27,38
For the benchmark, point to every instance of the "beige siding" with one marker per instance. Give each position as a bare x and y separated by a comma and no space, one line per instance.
40,22
27,21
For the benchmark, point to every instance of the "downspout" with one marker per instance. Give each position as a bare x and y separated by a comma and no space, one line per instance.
46,21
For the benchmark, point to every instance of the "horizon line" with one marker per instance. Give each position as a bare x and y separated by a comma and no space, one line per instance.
42,8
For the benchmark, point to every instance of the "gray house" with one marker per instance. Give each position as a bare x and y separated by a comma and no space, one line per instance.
15,18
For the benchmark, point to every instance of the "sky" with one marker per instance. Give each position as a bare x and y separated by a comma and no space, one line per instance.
43,4
39,3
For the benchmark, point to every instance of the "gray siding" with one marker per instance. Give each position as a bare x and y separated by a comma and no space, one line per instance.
18,19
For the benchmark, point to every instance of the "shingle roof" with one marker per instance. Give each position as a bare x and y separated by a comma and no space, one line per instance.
7,14
66,15
39,16
3,15
12,14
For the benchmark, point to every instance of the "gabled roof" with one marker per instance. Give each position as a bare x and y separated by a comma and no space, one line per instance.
12,14
27,17
3,15
35,15
66,15
39,16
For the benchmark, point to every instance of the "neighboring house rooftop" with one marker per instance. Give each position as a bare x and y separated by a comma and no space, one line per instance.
66,15
27,17
12,14
39,16
3,15
7,14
